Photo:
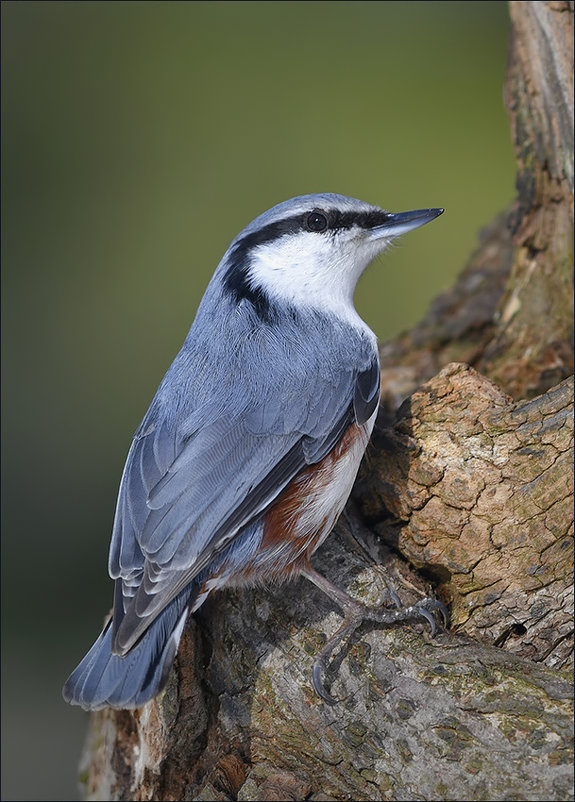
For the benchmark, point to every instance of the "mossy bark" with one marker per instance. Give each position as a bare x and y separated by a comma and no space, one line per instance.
469,481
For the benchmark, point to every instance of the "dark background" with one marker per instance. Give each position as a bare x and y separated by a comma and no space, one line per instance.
138,139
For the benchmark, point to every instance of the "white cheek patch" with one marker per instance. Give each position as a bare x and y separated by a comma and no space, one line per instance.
293,256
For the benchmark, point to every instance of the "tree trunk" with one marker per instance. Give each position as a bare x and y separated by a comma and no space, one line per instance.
469,479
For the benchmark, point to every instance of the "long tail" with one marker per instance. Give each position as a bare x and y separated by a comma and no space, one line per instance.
104,679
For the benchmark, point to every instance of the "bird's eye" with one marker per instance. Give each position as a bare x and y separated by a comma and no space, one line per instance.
316,221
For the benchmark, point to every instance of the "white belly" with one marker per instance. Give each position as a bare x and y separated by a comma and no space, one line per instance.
326,499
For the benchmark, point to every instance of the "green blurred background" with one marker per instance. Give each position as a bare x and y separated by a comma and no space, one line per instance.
138,139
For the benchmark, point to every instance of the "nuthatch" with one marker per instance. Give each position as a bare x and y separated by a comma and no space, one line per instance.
249,450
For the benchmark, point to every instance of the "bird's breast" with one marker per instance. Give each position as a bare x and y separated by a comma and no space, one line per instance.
307,510
299,520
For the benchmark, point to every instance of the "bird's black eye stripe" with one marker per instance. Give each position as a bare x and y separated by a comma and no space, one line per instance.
368,219
316,221
335,220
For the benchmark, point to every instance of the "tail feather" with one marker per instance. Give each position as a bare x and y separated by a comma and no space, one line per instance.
104,679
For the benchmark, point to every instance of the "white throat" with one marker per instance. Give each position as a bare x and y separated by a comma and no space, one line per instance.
306,271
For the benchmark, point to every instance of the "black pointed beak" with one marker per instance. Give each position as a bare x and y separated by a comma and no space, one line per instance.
402,222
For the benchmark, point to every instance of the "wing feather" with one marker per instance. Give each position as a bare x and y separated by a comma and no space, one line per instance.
192,484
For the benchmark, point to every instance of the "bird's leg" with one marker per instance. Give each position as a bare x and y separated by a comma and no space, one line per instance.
360,548
356,613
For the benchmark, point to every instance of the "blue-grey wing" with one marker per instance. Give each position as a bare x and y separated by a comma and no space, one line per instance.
183,498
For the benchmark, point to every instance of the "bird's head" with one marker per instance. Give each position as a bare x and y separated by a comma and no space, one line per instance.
311,250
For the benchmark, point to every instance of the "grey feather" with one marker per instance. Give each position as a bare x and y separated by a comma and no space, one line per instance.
236,442
366,395
104,679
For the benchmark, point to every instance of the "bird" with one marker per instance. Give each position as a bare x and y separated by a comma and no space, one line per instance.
249,450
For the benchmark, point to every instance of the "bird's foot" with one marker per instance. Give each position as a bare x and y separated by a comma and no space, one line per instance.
356,613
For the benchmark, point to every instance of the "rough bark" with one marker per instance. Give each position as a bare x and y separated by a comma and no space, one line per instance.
469,479
481,494
419,719
525,358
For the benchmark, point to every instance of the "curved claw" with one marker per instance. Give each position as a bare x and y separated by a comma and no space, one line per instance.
395,599
318,684
444,612
424,613
432,605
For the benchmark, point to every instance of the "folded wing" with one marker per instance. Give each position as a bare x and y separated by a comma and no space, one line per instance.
189,490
